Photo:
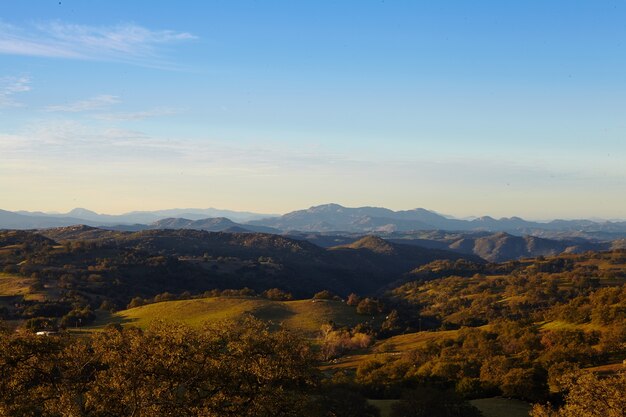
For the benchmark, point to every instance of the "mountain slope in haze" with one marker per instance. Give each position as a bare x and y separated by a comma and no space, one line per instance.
11,220
216,224
333,217
91,218
325,218
501,246
376,254
196,214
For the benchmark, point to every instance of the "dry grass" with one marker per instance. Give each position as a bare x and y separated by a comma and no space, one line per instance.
305,316
563,325
392,347
12,285
608,369
410,341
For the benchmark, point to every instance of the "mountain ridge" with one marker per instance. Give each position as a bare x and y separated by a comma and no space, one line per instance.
334,217
322,218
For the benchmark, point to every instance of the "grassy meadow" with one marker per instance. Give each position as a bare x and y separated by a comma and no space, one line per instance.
305,316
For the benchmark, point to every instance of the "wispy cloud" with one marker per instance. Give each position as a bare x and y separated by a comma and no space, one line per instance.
61,141
93,103
139,115
9,87
126,42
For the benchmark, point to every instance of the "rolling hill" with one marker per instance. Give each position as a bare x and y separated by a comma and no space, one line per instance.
305,316
118,265
501,246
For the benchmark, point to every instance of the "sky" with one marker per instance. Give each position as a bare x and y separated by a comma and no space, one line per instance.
497,108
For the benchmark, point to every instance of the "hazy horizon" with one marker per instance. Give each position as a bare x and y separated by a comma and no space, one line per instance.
465,109
270,214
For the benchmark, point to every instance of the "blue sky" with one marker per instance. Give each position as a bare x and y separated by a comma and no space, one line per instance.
468,108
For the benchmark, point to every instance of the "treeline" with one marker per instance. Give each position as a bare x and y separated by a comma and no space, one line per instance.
275,294
222,369
569,289
517,329
512,359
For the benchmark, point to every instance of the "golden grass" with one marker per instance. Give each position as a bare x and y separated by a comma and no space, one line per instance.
12,285
607,369
306,316
563,325
410,341
392,347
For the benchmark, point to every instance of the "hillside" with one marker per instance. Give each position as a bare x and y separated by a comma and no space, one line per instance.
494,247
97,265
305,316
484,329
501,247
374,253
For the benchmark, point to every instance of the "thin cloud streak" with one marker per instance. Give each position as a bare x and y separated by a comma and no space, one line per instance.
140,115
63,139
93,103
128,43
9,87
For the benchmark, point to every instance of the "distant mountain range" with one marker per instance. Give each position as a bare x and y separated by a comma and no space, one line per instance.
326,218
215,224
333,217
38,220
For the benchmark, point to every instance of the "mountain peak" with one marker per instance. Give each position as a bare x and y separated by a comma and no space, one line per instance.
374,244
326,207
79,211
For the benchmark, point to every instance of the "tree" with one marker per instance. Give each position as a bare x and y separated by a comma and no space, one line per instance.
324,295
369,306
136,302
353,299
277,294
589,396
528,384
224,369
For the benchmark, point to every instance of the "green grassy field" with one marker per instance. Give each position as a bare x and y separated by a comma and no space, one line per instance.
306,316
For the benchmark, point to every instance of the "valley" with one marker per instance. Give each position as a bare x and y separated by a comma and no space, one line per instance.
382,315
